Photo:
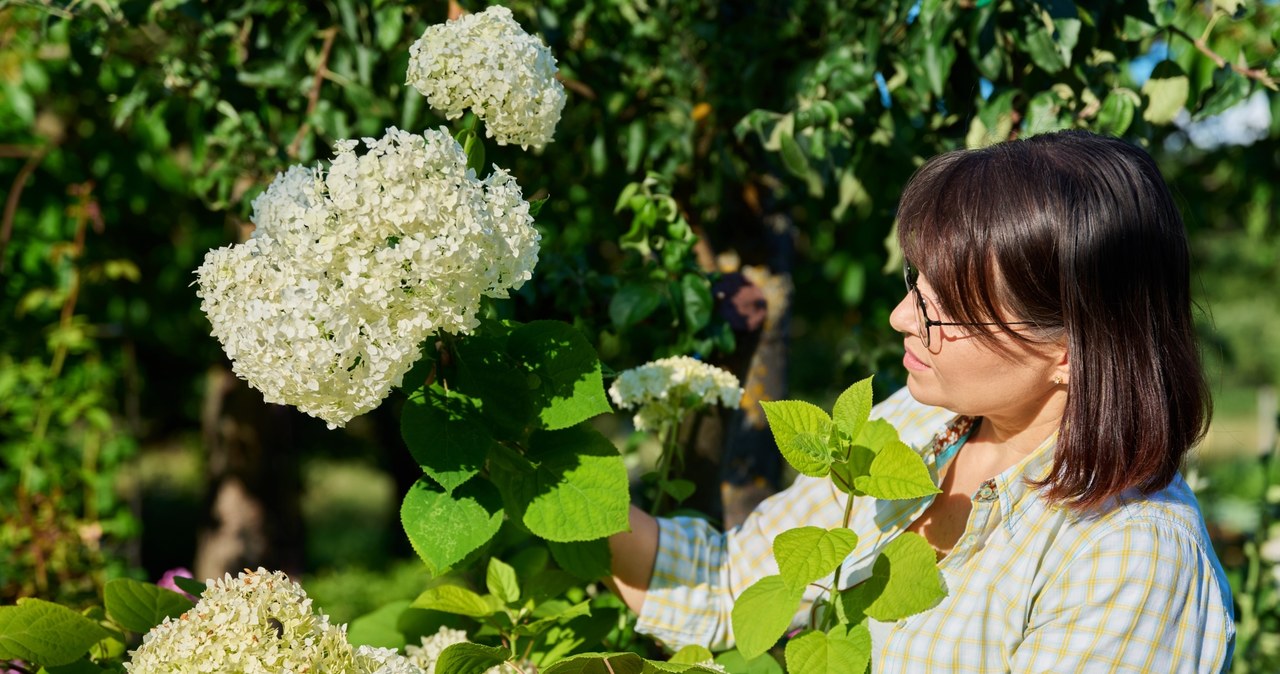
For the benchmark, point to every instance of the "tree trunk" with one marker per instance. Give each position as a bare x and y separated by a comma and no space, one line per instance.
252,511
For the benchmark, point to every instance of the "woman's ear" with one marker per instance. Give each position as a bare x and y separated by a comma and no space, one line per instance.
1062,370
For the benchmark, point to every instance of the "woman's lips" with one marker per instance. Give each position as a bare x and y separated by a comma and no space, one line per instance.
912,363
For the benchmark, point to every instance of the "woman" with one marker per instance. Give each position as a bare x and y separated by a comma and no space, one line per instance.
1053,386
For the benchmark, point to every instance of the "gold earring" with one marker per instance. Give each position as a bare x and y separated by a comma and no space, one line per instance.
1057,380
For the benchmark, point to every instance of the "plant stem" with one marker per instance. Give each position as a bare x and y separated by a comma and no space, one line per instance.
668,436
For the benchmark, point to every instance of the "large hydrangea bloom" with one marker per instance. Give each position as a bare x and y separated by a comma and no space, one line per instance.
665,388
350,269
258,622
485,62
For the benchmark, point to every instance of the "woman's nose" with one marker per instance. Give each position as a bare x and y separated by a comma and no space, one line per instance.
903,318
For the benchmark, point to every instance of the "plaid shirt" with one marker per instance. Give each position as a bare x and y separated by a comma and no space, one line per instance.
1032,587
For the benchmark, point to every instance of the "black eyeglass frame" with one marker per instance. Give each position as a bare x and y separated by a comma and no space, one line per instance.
910,275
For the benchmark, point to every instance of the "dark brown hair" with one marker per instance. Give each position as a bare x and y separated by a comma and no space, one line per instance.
1079,234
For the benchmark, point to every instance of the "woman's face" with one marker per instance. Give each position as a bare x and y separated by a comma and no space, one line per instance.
961,373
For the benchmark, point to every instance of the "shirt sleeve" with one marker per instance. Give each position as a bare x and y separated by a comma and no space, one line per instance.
699,572
1142,597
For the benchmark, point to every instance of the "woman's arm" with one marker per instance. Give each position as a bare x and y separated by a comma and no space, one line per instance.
633,554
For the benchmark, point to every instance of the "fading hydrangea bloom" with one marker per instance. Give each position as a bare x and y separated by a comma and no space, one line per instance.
664,389
258,622
485,62
425,656
349,270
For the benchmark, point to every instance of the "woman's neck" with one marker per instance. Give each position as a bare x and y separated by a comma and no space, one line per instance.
1001,441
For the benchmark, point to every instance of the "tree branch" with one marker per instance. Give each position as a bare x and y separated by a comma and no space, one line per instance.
15,193
1257,74
313,99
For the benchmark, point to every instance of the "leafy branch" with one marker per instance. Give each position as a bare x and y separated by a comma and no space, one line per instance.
1259,75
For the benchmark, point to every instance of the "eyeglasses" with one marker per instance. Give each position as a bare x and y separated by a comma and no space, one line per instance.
911,275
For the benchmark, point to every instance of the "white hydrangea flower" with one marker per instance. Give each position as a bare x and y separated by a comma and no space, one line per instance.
258,622
349,270
373,660
664,389
485,62
424,657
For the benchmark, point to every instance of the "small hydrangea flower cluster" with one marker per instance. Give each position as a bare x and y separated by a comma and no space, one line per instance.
349,270
258,622
485,62
664,389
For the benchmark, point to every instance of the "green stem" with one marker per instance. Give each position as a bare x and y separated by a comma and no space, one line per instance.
668,435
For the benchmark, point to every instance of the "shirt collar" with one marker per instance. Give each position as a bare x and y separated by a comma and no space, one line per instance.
1011,486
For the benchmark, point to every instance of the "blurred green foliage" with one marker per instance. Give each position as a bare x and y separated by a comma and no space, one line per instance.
134,135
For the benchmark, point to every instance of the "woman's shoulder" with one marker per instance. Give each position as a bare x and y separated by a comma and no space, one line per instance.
1173,509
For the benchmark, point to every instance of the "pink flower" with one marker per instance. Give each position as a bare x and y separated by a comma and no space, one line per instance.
166,581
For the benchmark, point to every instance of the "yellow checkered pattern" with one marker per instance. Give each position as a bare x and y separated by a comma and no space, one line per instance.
1032,587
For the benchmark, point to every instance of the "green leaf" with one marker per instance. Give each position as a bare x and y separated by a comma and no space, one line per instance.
679,489
535,206
1117,111
633,303
454,599
852,408
588,560
553,613
845,474
548,584
486,373
619,663
1229,88
762,613
802,431
444,528
692,655
562,639
191,586
474,149
904,581
572,486
806,554
380,627
1232,8
78,667
501,581
569,387
793,158
45,633
897,473
443,437
139,606
1044,114
1166,91
390,22
734,661
695,292
938,59
469,658
594,663
836,651
1039,43
876,434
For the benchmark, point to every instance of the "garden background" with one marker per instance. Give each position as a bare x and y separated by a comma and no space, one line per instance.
133,136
